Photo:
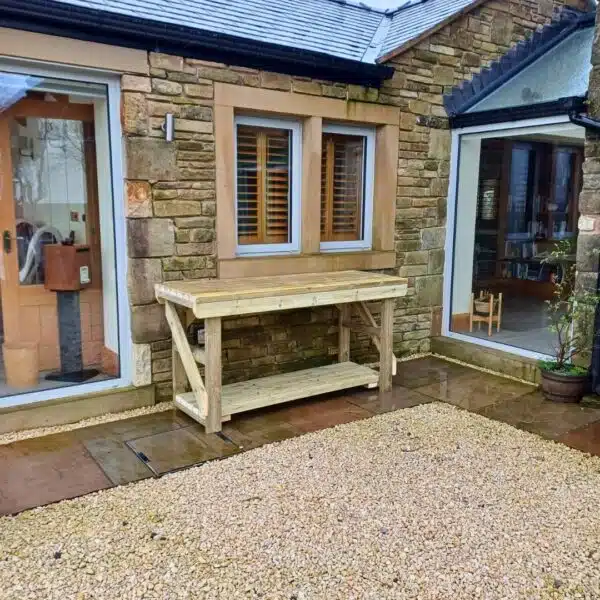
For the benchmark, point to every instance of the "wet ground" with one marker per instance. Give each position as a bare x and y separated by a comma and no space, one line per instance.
43,470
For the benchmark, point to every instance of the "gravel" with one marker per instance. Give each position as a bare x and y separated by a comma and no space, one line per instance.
430,503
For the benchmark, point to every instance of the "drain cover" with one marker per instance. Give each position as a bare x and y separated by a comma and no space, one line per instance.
180,448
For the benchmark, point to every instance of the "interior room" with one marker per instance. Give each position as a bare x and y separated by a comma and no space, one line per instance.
58,302
509,220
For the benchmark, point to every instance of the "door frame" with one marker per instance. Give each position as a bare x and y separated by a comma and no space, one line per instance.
482,131
112,82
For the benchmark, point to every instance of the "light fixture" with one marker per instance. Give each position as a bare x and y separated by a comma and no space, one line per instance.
169,127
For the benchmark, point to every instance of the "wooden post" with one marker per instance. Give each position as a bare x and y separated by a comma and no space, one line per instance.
387,343
498,323
345,315
213,374
491,316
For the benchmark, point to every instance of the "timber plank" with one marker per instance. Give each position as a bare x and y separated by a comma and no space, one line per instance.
192,293
268,391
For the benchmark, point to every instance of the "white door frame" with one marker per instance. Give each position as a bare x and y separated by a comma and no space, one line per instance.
481,132
112,82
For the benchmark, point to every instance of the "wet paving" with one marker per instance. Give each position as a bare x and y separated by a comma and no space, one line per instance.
43,470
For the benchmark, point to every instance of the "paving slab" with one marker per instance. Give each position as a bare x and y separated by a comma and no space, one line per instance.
180,448
43,470
475,390
425,371
379,403
586,439
534,413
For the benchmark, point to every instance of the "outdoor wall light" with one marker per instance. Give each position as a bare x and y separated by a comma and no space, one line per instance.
169,127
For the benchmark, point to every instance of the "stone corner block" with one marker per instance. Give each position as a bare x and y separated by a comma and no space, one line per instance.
149,324
141,360
148,238
428,290
433,237
151,159
142,275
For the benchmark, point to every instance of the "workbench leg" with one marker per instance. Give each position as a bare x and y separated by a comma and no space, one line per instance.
387,342
180,380
345,314
213,374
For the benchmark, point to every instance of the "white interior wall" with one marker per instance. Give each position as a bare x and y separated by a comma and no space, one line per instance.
466,214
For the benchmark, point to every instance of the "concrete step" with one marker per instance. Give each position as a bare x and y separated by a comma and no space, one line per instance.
499,361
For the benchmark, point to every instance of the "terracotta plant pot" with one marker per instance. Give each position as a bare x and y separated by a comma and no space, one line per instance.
559,387
21,364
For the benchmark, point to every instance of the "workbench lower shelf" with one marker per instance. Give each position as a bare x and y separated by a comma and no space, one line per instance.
277,389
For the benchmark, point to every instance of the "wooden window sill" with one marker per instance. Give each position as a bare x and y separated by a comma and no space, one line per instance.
306,263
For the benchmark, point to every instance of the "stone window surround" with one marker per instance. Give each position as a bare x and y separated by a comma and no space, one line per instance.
234,99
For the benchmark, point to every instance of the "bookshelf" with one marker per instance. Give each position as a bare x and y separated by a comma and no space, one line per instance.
527,203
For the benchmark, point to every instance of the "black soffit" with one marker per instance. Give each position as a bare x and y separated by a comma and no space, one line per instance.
562,106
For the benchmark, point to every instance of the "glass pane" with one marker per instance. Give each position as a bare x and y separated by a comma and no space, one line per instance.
509,193
342,192
521,190
263,185
49,188
59,313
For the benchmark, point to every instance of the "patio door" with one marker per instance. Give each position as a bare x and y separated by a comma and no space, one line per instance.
48,193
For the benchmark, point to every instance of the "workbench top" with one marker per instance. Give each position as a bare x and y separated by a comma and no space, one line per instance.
193,293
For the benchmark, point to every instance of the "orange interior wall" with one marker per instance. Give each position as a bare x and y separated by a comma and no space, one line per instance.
39,324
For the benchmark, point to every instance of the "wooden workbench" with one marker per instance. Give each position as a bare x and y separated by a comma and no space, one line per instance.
210,402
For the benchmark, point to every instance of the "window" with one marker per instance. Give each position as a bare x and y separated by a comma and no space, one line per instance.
59,177
347,168
268,158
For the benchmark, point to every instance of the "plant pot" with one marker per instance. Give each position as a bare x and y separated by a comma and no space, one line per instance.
559,387
21,364
482,307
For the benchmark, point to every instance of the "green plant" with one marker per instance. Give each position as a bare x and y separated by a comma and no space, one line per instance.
571,314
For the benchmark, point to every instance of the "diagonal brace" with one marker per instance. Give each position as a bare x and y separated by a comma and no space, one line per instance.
371,327
187,358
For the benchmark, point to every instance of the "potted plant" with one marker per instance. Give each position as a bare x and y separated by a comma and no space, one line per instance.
571,314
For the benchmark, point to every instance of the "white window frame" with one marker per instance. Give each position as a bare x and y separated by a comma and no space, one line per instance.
366,243
508,129
293,246
113,103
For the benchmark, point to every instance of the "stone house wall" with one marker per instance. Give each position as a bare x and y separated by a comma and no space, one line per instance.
171,197
588,241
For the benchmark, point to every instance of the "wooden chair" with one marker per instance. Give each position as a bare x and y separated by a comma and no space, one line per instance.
492,313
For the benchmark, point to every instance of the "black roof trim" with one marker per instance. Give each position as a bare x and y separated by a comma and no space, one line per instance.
515,60
56,18
562,106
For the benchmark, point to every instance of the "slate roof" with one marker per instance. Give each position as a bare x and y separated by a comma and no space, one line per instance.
339,28
414,21
489,79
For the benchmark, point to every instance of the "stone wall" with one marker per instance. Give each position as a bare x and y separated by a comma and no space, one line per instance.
171,218
589,200
171,198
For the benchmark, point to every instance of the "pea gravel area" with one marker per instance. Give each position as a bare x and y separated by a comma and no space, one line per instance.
430,502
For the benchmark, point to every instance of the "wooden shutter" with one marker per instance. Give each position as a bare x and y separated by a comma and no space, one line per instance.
342,187
263,185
